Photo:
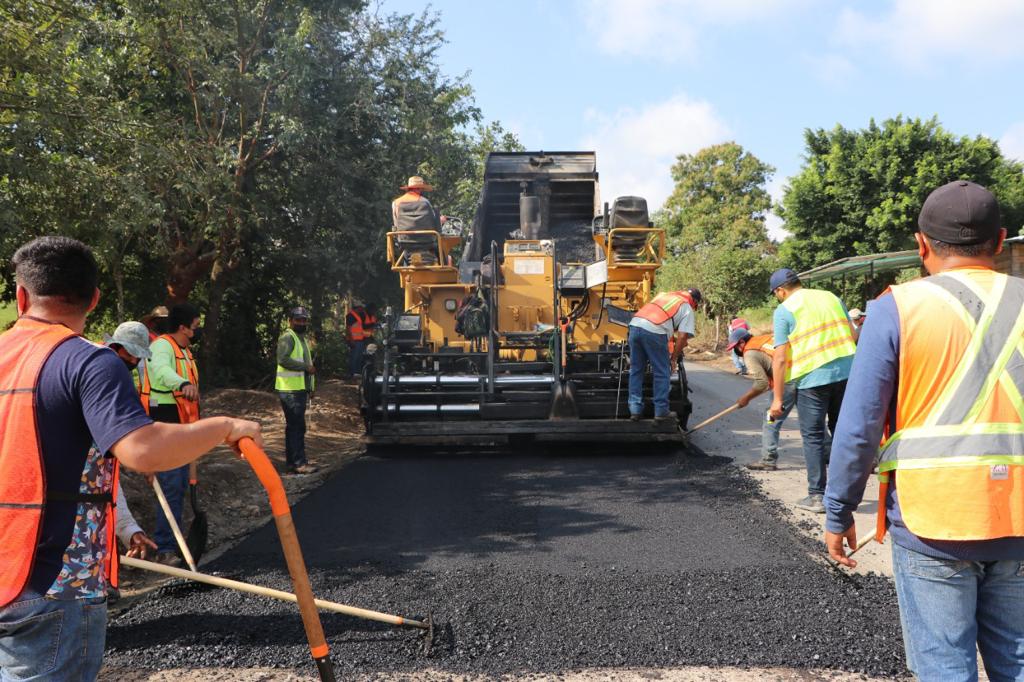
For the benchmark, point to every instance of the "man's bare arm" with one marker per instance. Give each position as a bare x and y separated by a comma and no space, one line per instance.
161,447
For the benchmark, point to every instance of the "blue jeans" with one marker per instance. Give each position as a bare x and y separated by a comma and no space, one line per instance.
355,358
57,640
174,483
647,347
294,405
946,606
737,362
819,410
770,432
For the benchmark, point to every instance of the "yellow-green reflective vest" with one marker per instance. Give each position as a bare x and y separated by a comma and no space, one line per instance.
289,380
822,333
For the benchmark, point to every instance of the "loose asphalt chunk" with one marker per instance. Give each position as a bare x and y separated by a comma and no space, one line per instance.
537,563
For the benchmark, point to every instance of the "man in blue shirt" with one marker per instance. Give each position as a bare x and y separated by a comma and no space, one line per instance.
814,347
956,596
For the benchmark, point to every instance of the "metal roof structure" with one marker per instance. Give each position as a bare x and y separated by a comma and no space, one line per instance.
870,265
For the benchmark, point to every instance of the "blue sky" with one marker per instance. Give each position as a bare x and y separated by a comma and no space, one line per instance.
641,81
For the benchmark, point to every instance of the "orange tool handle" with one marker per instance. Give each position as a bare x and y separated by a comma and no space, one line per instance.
270,479
883,492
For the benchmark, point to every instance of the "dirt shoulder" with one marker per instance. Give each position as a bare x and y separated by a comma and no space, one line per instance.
229,493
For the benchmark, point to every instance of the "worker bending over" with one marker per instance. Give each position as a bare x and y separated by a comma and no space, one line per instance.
814,347
667,316
939,367
59,395
757,353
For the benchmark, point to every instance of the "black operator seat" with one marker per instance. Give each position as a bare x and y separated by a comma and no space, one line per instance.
629,212
417,216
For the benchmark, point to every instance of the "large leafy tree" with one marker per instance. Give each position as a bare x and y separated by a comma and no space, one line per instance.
859,191
715,219
241,154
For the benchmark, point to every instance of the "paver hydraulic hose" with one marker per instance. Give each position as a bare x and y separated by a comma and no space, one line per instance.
270,479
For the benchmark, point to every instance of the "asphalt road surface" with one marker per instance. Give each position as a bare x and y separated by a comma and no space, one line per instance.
540,561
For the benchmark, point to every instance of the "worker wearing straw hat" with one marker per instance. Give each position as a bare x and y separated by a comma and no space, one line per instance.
412,210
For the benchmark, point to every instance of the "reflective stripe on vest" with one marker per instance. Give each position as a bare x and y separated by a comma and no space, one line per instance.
289,380
822,333
959,446
24,350
664,307
143,386
362,328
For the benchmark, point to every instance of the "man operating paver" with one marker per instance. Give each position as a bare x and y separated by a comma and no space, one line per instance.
59,394
667,316
814,347
940,364
757,353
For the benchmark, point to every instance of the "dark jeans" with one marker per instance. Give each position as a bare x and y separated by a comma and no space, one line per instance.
818,407
355,358
294,405
52,639
173,483
647,347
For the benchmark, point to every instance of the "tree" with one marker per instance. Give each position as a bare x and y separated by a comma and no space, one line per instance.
860,191
715,219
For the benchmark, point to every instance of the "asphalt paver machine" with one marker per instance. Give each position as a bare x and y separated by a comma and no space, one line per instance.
516,329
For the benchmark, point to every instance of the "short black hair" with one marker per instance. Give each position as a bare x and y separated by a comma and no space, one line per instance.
57,267
978,249
181,315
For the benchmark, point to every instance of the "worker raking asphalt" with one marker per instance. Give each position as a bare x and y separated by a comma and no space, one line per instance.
538,563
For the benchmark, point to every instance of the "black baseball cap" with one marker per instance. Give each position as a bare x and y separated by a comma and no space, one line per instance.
960,212
299,313
698,297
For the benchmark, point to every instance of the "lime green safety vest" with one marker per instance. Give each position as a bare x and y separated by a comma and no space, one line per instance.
289,380
822,333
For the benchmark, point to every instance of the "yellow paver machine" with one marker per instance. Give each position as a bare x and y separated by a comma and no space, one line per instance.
517,331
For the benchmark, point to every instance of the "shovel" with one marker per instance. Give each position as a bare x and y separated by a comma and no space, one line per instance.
199,531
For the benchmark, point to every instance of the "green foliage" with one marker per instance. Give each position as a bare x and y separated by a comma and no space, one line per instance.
242,155
715,219
860,191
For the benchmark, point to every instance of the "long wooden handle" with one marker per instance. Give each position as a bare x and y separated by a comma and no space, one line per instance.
731,408
270,479
182,545
269,592
860,545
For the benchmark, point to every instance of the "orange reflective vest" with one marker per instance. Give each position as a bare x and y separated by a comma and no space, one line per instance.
763,343
664,307
958,451
142,385
188,410
364,324
24,349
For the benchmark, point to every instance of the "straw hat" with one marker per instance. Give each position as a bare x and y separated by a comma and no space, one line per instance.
416,182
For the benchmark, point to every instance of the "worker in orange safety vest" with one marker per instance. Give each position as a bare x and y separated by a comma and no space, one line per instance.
360,326
667,318
60,395
939,370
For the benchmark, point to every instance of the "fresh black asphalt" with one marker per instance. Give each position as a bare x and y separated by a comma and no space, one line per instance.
533,562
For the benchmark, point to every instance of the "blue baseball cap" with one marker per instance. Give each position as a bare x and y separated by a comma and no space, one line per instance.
736,337
780,277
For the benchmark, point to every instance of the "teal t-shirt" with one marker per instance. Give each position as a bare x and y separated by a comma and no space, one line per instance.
829,373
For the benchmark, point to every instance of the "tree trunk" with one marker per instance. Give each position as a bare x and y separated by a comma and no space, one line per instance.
718,330
211,325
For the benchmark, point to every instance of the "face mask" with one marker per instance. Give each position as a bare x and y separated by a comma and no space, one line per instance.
130,364
197,335
299,329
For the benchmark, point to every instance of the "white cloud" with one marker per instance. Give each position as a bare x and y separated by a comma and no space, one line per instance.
918,31
636,149
666,29
1012,142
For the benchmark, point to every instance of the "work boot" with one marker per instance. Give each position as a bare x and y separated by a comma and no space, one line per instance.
169,559
763,465
661,418
304,469
812,503
635,417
